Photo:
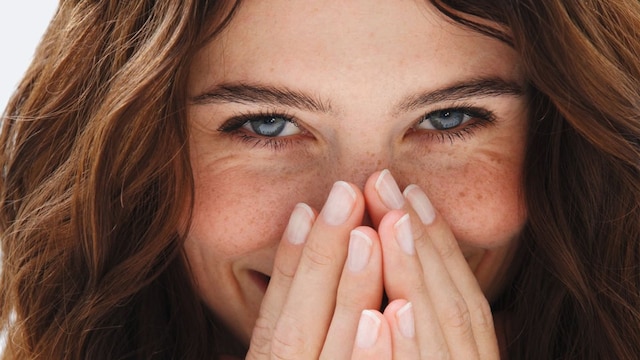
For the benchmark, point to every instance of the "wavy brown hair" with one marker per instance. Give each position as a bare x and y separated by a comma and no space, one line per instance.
576,294
96,182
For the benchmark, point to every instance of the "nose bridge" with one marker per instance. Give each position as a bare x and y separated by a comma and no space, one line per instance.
355,162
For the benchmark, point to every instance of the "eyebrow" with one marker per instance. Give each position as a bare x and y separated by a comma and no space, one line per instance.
245,93
262,94
475,88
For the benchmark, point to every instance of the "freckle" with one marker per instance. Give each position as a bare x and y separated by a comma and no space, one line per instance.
479,197
462,194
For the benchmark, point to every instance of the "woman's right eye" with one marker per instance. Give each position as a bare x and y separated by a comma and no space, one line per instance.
271,126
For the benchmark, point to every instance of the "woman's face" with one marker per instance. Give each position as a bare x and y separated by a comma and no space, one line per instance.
295,95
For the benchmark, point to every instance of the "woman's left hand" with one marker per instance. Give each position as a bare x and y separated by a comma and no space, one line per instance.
437,309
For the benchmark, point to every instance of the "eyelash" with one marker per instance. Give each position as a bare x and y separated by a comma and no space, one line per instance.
479,118
233,126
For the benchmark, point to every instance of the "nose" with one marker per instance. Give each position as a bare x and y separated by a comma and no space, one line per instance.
356,162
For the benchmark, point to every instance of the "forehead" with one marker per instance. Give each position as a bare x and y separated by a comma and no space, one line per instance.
397,41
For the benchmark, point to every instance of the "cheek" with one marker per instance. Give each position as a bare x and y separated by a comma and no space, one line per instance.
240,208
483,205
479,194
480,197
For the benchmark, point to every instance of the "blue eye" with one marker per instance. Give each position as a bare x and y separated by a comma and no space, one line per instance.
445,119
271,126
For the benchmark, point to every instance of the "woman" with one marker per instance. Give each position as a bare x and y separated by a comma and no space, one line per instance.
184,180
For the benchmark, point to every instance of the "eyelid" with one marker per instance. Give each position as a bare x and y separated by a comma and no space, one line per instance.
480,117
237,121
474,111
471,110
233,128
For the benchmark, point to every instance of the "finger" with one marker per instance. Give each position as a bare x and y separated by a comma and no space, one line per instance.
373,337
304,320
472,302
399,315
360,288
404,279
402,271
382,195
466,306
285,264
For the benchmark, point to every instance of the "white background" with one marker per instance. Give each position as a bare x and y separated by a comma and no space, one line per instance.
22,23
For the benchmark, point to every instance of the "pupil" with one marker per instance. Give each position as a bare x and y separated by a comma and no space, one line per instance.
268,126
447,119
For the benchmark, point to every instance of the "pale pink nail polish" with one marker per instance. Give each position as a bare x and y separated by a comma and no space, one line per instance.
404,234
299,224
368,329
359,251
406,323
420,203
388,190
339,204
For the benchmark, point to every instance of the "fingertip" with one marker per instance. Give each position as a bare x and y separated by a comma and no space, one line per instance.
368,329
372,337
375,206
388,190
399,315
300,222
359,253
420,203
340,204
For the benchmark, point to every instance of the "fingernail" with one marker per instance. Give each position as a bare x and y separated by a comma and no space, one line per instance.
299,224
389,191
420,203
359,251
339,204
405,321
368,329
404,235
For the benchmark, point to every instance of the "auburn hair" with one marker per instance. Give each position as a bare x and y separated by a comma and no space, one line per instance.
96,183
96,186
576,292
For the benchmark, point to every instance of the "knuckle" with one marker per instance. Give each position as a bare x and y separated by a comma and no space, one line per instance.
261,336
482,316
456,315
439,353
447,248
349,301
317,257
260,340
288,341
283,271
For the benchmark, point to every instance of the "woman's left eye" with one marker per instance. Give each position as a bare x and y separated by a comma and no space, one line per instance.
271,126
445,119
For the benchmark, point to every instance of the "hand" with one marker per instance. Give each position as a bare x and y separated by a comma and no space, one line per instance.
437,308
318,294
319,285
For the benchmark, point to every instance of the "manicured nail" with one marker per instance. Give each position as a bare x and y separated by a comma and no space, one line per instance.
389,191
339,204
359,251
420,203
299,224
404,235
406,323
368,329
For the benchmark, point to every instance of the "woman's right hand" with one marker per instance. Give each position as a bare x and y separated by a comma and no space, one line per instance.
327,271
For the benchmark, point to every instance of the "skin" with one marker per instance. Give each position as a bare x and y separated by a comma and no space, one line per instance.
364,66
